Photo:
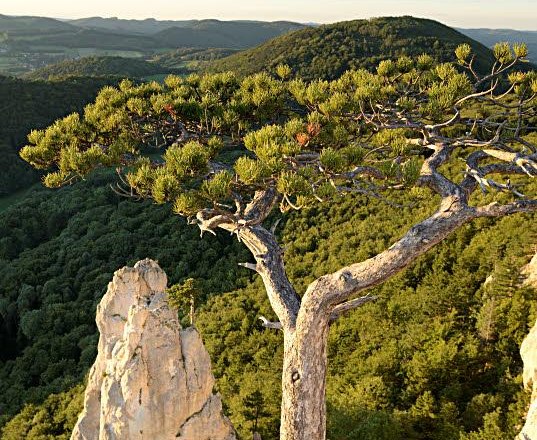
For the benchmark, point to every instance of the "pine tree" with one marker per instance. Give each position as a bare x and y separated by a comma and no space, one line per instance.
184,296
406,125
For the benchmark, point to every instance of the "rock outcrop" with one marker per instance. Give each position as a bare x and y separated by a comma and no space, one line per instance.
530,272
151,379
528,352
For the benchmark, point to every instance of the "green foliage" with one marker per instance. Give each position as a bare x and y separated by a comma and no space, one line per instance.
181,294
55,418
412,365
503,53
279,121
416,364
463,52
190,57
419,363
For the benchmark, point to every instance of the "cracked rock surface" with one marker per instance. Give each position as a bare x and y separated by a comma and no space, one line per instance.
151,379
528,352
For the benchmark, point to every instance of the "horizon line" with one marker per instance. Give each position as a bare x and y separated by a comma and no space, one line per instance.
311,23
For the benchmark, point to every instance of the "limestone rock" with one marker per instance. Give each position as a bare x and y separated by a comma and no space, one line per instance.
528,352
530,272
151,379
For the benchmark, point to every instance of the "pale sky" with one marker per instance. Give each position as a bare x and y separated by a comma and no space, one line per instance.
514,14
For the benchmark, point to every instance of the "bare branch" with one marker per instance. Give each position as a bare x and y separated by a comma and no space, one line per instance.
497,210
270,324
250,266
268,255
451,121
349,305
338,286
260,207
275,225
364,171
476,174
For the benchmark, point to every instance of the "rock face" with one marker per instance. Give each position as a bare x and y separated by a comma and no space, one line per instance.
530,272
151,379
528,352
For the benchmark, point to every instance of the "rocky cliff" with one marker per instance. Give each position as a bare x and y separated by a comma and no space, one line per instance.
151,379
528,352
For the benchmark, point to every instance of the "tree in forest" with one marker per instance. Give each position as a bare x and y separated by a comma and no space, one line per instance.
254,409
184,296
412,125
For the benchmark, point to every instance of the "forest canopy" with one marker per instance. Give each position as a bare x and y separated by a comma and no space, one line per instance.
262,140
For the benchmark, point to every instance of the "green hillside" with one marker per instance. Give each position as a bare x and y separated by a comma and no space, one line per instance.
243,29
89,38
327,51
186,57
435,357
144,27
35,24
98,67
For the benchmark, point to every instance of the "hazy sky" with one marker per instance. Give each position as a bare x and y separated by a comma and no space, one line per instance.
517,14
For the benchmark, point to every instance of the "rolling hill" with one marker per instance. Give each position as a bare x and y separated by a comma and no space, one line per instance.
27,43
98,67
36,24
190,57
224,34
327,51
150,26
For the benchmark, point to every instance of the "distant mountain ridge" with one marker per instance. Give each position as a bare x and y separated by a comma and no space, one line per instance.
489,37
151,26
215,33
10,23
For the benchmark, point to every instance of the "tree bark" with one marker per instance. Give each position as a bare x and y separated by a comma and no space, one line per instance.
303,414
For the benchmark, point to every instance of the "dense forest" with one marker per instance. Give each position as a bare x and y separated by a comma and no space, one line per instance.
190,57
327,51
93,66
434,358
28,105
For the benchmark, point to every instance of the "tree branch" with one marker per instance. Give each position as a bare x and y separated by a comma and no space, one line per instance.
497,210
282,296
476,175
429,175
269,324
335,288
350,305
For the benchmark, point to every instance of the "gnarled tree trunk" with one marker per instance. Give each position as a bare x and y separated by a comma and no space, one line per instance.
304,382
305,321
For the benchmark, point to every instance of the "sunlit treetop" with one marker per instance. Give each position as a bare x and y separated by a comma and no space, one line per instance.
225,139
